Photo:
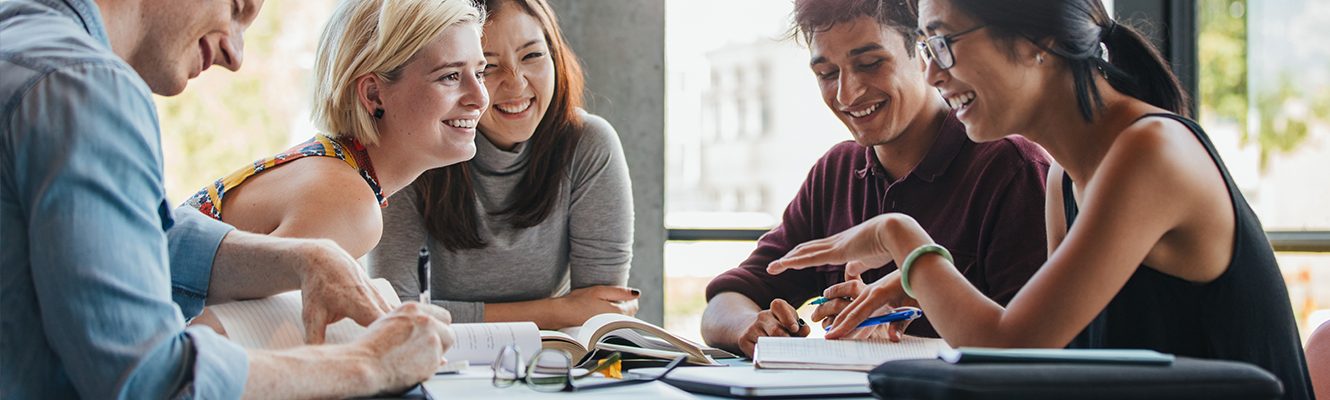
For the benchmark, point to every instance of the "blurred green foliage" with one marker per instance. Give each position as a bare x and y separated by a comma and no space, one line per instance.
1286,111
1223,59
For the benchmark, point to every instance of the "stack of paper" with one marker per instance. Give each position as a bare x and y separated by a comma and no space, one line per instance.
845,354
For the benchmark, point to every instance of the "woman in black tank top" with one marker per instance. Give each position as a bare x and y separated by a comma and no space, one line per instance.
1151,244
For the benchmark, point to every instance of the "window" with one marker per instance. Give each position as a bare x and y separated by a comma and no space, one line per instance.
1265,101
763,124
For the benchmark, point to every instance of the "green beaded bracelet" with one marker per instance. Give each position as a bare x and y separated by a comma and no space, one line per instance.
909,260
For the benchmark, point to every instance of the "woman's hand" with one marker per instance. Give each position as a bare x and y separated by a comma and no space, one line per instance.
880,298
860,248
580,305
869,245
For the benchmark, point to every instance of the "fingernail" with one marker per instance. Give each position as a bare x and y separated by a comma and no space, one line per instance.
802,323
635,292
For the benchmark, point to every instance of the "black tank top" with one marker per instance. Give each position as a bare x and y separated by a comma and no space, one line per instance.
1244,315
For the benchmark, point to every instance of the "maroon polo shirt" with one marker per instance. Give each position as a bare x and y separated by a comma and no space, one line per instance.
983,201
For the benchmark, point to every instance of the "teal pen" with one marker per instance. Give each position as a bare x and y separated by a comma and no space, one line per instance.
823,300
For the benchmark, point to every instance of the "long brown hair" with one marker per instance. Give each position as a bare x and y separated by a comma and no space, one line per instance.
447,194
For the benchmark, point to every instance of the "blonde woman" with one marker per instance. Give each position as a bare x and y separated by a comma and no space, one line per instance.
399,92
539,225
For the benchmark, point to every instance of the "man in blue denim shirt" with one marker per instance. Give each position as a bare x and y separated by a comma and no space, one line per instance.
97,276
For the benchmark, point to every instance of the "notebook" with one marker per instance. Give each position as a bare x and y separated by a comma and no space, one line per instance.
746,381
843,354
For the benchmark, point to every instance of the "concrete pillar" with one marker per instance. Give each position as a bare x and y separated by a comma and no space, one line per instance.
621,44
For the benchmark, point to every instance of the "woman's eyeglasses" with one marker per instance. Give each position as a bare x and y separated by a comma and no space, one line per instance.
551,370
938,48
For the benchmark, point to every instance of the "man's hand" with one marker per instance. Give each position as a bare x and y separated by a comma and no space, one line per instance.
408,345
581,304
334,286
780,320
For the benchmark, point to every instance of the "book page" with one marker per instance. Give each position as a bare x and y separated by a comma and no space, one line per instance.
274,323
480,343
844,352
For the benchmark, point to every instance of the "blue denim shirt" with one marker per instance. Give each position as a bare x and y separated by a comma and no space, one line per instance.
95,271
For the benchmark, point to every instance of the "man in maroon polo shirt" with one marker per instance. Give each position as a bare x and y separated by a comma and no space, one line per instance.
984,202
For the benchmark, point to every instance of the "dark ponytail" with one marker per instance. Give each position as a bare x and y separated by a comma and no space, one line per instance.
1136,69
1077,29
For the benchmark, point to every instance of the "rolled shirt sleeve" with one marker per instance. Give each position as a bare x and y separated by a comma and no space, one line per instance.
87,179
193,240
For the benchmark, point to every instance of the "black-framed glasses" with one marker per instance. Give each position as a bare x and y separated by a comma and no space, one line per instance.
938,48
551,370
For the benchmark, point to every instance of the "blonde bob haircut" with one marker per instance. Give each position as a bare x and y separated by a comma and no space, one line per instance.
374,37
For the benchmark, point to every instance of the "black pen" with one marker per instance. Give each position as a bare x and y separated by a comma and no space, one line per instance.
422,273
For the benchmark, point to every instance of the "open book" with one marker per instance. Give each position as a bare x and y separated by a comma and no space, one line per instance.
275,323
616,332
844,354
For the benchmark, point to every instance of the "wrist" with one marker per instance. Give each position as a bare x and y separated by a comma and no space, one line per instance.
365,373
913,258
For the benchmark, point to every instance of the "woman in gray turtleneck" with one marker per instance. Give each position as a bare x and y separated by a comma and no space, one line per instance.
539,225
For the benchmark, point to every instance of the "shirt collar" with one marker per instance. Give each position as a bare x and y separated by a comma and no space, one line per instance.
85,12
950,139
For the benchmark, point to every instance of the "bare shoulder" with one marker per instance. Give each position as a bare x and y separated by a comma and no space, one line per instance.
1162,147
1161,173
319,197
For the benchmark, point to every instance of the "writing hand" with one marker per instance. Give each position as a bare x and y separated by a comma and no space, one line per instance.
781,320
407,345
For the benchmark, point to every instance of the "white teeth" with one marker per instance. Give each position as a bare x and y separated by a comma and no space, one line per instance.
961,100
461,123
861,114
515,109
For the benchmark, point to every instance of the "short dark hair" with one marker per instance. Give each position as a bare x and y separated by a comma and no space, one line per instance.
814,16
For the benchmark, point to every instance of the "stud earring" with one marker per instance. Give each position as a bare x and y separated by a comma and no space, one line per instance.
378,113
1039,58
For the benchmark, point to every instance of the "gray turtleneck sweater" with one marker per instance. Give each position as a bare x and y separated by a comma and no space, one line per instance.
587,239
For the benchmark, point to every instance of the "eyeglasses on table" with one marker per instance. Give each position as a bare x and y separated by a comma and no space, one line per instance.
551,370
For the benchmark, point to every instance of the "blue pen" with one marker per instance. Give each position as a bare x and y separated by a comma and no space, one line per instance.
908,314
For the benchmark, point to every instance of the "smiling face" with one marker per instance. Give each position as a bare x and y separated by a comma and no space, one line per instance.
182,39
994,88
869,80
519,75
432,109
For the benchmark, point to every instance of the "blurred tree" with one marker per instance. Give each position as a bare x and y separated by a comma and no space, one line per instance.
1223,58
1286,111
